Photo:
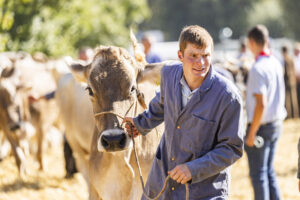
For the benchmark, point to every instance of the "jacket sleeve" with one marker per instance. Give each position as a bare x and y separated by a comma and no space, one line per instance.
154,115
228,148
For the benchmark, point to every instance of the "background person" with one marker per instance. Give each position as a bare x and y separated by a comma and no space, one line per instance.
290,82
265,112
151,57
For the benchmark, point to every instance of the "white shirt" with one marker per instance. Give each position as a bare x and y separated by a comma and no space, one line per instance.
266,78
186,93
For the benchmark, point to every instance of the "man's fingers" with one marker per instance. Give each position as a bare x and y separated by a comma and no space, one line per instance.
185,180
181,178
176,175
173,172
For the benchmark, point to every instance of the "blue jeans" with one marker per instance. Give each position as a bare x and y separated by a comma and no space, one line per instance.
260,160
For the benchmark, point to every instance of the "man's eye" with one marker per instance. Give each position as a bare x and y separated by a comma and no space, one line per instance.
90,91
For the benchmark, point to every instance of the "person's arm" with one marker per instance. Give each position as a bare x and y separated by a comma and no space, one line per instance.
154,115
257,117
228,148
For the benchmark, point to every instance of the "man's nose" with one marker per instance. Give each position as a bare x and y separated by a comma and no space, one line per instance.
200,61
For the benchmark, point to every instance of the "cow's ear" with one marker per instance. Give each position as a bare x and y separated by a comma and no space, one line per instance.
7,72
80,72
139,55
150,73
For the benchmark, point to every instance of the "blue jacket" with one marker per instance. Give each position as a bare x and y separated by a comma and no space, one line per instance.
207,135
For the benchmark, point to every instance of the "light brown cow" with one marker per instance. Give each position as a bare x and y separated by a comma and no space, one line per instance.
10,105
76,114
112,87
37,81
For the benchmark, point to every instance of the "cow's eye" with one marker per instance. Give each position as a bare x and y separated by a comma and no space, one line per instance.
90,90
132,89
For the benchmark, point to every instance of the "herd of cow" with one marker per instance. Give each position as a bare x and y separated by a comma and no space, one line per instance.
110,84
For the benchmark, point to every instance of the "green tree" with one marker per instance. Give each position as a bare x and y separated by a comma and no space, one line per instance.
172,15
269,13
61,27
291,9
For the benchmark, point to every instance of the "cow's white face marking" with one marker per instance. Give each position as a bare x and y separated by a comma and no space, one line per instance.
112,132
102,75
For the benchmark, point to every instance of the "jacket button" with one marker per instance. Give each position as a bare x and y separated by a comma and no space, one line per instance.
172,188
178,127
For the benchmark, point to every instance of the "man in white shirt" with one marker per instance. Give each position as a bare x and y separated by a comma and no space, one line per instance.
265,101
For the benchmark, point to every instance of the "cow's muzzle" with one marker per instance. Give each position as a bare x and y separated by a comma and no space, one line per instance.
113,140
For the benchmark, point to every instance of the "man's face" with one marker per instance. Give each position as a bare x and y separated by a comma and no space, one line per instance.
196,61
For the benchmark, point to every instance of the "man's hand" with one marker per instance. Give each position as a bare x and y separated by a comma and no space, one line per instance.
250,140
181,174
129,122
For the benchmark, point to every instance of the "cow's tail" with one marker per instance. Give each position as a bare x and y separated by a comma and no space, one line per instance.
138,54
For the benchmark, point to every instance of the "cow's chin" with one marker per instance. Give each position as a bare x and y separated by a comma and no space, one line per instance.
113,140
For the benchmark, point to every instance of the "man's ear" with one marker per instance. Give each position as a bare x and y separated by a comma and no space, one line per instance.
180,55
80,72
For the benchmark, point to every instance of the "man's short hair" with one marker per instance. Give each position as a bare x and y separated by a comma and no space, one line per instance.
259,34
196,35
284,49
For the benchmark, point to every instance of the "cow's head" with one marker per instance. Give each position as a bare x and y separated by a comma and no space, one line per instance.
112,87
14,106
111,81
9,105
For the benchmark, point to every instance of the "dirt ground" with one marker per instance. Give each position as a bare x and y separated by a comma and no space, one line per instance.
51,185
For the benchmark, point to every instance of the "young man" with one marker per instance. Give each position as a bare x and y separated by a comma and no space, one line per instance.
202,112
265,111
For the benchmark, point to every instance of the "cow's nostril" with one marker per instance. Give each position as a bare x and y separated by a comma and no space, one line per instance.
15,127
104,142
122,142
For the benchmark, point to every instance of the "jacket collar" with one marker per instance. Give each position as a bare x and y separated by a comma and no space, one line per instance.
206,84
208,81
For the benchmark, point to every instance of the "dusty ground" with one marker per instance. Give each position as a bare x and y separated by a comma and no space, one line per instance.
51,185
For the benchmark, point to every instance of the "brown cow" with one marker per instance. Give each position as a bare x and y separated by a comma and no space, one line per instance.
10,105
112,87
30,78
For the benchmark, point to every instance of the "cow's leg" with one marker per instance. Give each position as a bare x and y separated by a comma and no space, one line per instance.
5,148
70,164
36,118
17,152
40,135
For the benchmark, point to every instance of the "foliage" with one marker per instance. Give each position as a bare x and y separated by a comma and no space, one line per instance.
269,13
291,15
172,15
60,27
